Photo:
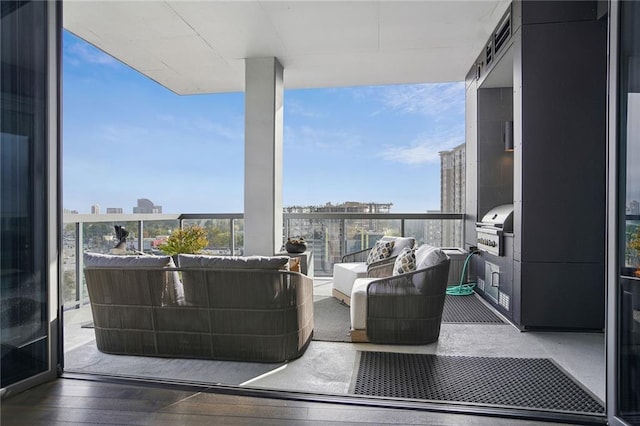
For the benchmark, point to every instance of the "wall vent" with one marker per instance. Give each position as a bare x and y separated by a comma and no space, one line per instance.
504,300
489,53
502,34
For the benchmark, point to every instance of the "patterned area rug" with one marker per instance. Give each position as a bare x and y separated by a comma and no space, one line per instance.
528,383
468,310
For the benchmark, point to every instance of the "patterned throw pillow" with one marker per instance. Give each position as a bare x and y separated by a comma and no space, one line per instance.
380,251
405,262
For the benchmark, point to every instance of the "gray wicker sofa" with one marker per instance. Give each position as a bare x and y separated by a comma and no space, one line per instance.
211,307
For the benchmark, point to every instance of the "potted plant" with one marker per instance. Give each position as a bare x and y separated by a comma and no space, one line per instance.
295,245
189,240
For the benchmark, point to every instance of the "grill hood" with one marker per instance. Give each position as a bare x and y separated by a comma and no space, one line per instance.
499,217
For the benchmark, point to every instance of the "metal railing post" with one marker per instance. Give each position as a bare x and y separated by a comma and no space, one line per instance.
140,235
79,263
232,234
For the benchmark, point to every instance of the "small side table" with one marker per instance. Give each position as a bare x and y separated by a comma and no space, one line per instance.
306,261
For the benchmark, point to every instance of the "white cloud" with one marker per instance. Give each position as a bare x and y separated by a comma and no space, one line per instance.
319,138
84,53
424,149
123,133
300,110
202,126
433,100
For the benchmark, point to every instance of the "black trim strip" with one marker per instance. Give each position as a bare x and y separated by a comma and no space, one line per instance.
350,400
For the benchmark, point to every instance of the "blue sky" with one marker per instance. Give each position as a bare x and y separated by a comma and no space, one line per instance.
126,137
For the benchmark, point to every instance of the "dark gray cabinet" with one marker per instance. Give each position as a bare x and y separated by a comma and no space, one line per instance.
554,68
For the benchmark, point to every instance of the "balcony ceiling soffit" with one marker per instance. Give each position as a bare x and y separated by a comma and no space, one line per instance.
199,46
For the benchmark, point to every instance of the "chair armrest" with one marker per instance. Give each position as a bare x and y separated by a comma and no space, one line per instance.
381,269
356,256
433,279
397,285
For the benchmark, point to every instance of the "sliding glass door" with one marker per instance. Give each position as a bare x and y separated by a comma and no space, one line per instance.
624,251
28,191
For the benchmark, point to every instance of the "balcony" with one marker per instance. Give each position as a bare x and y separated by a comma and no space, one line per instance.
328,365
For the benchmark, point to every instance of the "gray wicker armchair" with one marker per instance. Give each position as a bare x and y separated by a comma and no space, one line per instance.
400,309
354,265
397,312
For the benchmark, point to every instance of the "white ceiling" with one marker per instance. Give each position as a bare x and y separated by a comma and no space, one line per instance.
200,46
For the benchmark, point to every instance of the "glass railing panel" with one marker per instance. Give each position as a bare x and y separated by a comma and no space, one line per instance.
324,238
70,292
154,233
632,246
225,233
362,233
330,238
436,232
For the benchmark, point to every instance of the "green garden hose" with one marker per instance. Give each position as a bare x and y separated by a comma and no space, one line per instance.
463,289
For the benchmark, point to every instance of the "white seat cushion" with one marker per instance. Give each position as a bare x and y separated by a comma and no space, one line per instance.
344,274
358,308
400,243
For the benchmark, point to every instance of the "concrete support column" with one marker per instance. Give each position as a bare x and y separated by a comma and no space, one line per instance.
264,89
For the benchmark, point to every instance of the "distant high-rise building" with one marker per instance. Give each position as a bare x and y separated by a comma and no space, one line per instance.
95,209
452,180
452,192
634,208
114,210
146,206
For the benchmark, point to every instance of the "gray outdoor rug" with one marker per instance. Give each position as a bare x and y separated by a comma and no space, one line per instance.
468,310
331,320
533,383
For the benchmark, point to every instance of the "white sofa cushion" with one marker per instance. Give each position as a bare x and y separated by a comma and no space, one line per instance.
427,256
99,260
358,309
400,243
344,274
233,262
172,290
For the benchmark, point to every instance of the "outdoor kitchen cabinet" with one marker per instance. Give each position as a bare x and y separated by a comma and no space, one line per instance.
556,60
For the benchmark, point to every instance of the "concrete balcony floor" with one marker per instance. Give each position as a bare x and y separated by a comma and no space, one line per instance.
327,367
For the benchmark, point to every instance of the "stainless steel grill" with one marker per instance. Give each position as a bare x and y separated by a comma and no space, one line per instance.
491,229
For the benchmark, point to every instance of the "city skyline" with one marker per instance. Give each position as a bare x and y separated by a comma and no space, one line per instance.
125,136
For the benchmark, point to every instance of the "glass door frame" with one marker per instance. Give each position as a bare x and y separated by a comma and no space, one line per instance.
616,203
612,220
52,209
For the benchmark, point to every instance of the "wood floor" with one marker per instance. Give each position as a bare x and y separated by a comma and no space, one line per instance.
72,401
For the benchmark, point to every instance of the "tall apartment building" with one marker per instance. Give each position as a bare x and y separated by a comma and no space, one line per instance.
452,192
146,206
95,209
